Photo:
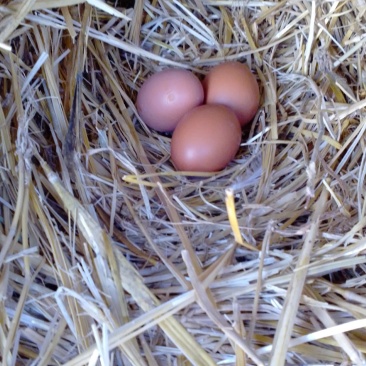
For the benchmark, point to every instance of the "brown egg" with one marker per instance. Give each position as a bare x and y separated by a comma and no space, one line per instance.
232,84
166,96
206,139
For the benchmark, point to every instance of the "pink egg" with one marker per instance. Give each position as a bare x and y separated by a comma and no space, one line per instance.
206,139
233,85
167,96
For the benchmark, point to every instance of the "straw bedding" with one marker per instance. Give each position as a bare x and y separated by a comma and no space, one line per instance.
109,256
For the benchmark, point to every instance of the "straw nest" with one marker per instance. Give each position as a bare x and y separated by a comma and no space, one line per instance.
109,256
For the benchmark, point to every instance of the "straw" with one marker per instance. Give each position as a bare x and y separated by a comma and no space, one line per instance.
109,255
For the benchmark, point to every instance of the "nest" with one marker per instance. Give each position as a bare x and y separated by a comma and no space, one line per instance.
110,256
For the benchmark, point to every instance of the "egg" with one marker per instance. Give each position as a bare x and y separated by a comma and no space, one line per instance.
233,85
206,139
166,96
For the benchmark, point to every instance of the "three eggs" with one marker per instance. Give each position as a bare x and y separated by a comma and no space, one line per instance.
205,118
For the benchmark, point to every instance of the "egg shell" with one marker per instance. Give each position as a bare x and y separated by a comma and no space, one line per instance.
233,84
166,96
206,139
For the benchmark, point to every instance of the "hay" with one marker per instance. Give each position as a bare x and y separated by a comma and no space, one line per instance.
109,256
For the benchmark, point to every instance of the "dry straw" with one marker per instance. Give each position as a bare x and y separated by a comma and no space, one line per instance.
109,256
